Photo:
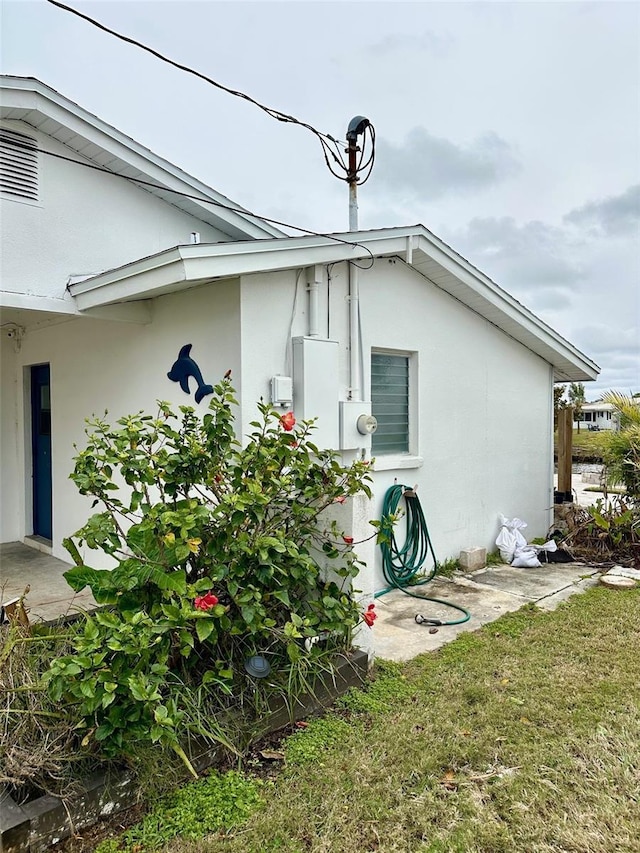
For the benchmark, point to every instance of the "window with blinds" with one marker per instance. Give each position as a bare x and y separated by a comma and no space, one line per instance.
18,165
390,403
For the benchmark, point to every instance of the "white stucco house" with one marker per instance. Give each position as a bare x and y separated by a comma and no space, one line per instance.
596,416
103,284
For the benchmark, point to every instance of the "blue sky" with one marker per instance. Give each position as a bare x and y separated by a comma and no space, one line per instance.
511,130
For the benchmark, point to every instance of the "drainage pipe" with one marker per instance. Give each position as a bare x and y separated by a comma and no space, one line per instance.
355,380
314,280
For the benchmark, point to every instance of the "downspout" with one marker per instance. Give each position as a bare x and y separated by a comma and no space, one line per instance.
314,280
355,383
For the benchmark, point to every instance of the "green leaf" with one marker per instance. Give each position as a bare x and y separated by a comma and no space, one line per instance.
248,613
174,581
103,731
204,628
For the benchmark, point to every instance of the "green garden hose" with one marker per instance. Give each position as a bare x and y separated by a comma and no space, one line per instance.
401,565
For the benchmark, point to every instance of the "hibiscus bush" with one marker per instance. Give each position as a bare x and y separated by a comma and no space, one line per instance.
220,553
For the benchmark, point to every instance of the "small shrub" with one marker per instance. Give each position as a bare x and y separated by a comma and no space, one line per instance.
38,749
622,448
219,552
608,530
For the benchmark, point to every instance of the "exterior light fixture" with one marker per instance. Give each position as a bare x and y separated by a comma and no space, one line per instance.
257,666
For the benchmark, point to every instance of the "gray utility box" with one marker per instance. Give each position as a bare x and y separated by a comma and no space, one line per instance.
315,388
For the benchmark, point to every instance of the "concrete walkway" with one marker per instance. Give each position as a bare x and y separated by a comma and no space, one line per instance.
50,596
486,594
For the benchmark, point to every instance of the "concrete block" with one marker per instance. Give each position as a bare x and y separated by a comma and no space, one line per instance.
472,559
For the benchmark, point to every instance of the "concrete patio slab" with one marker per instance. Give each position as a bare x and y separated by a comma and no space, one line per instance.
486,594
50,596
533,584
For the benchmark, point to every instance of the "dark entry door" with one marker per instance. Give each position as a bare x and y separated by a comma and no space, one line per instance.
41,447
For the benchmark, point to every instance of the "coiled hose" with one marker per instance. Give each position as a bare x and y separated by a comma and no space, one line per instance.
401,565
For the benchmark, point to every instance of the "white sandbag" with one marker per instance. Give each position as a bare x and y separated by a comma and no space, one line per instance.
510,539
526,558
550,546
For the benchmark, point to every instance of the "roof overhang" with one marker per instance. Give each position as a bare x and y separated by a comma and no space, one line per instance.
189,266
28,100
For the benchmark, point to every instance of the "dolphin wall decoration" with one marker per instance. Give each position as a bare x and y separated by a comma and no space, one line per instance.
183,369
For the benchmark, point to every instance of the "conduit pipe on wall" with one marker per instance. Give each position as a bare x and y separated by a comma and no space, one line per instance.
314,280
355,380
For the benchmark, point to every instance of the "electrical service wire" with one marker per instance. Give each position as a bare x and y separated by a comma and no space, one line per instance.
402,564
331,147
231,209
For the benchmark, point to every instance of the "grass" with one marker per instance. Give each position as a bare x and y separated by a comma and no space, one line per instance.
219,801
523,736
587,446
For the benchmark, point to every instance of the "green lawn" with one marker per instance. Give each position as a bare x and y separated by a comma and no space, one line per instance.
586,444
524,736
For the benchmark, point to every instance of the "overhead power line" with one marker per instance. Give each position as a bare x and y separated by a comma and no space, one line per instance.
230,208
331,147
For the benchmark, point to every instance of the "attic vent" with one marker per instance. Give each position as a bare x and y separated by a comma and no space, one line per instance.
18,165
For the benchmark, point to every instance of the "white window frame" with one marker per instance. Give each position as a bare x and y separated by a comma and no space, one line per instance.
410,459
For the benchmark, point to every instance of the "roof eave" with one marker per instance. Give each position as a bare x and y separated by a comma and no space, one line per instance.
28,95
189,266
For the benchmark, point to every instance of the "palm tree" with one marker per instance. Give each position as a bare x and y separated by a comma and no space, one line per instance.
622,450
577,400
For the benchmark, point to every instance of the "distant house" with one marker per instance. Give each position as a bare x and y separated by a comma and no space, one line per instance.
105,280
596,416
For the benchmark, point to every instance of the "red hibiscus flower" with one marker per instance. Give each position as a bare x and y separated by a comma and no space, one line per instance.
205,602
370,615
348,539
287,421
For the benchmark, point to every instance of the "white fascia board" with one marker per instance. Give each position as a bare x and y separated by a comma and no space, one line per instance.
28,94
32,302
489,292
129,312
141,279
189,266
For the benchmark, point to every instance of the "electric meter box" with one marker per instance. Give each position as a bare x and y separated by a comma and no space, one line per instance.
315,388
356,425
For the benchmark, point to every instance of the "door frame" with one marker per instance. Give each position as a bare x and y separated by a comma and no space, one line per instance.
41,477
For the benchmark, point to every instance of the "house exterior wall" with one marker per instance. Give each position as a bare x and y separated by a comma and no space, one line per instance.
9,508
98,365
596,417
481,402
83,223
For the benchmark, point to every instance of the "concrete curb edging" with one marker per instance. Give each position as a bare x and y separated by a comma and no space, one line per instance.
40,823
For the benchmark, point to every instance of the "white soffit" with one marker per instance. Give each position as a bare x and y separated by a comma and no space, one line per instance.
27,100
190,266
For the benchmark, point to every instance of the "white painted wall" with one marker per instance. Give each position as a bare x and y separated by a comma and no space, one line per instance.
484,409
9,507
98,365
485,412
84,222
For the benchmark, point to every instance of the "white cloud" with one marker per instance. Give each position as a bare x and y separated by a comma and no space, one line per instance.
612,216
402,43
427,167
